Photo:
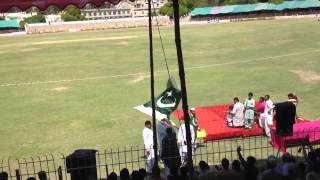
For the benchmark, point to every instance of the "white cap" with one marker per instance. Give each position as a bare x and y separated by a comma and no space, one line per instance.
193,109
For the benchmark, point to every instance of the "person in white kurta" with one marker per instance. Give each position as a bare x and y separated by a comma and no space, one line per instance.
236,118
147,134
182,141
268,115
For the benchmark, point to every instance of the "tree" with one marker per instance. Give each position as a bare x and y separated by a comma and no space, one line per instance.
275,1
52,10
185,7
39,18
72,13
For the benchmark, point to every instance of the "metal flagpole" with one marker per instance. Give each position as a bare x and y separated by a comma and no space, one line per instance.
183,83
155,143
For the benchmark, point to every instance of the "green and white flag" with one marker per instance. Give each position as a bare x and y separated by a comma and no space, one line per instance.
165,103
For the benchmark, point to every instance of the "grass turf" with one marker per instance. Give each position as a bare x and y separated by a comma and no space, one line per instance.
92,108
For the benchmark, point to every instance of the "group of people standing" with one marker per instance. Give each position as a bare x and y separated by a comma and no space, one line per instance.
172,140
245,114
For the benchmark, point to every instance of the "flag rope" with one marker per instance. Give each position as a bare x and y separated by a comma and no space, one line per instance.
161,41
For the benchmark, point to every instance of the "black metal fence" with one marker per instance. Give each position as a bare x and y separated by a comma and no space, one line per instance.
58,167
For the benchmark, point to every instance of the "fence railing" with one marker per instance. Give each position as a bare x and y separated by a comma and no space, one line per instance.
101,163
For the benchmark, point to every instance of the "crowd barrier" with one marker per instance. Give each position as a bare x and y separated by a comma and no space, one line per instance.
103,162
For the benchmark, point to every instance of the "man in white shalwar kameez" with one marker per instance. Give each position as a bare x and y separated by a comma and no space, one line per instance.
236,116
182,141
148,145
268,115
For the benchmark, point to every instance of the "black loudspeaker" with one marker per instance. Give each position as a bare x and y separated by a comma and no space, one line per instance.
285,118
81,164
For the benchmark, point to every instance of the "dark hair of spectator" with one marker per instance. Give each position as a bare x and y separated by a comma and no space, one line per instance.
42,175
250,94
135,175
3,176
112,176
124,174
236,99
251,160
203,166
236,165
142,173
225,164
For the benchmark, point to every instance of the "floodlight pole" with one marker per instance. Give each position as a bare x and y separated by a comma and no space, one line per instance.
154,127
183,83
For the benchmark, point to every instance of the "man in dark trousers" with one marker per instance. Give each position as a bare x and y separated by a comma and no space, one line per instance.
170,153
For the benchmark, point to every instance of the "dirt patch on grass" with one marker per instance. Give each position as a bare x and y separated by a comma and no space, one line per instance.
59,89
29,49
307,76
124,43
139,79
84,40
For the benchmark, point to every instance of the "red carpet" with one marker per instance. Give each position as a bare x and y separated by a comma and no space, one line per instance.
212,120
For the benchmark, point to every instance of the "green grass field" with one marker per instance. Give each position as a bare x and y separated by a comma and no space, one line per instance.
59,92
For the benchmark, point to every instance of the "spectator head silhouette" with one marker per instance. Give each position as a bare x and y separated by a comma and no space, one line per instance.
42,175
271,162
286,157
112,176
203,166
3,176
31,178
135,175
225,164
236,165
142,173
251,160
124,174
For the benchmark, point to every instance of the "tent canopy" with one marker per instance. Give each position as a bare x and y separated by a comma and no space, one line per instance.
6,5
9,24
243,8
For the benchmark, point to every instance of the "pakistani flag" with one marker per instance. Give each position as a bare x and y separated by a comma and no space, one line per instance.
166,103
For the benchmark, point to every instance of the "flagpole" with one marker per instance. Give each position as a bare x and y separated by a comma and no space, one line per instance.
154,127
183,83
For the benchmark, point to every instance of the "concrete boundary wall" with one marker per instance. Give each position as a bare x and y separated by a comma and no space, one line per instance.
76,26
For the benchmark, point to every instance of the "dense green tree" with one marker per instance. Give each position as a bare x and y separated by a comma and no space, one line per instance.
39,18
185,7
52,10
275,1
72,13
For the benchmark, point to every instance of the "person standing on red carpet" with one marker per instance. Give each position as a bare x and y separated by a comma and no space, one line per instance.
147,134
259,109
236,118
268,115
249,111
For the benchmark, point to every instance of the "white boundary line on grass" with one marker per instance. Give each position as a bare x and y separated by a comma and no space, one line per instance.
147,73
